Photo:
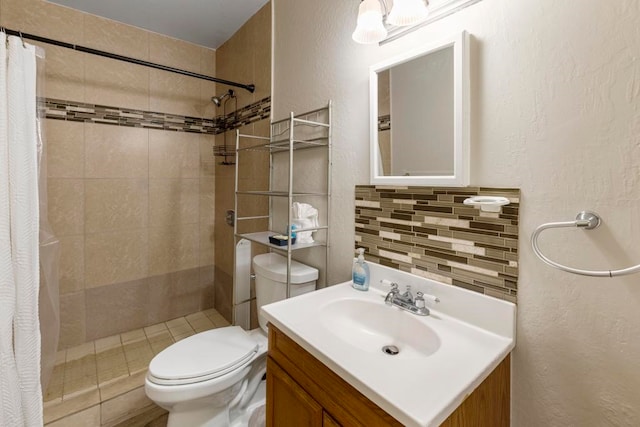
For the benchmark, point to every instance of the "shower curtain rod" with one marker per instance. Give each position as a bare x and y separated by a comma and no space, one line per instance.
250,87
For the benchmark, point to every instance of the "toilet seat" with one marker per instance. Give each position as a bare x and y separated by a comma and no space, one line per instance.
202,357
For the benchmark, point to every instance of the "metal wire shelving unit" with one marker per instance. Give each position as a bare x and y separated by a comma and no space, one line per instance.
306,131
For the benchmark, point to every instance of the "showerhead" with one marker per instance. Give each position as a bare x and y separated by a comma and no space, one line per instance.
218,99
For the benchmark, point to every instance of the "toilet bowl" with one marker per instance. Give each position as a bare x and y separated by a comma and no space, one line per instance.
214,378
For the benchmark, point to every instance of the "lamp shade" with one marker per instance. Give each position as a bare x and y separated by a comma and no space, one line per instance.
407,12
369,28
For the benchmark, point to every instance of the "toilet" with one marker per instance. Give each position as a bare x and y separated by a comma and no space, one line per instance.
215,378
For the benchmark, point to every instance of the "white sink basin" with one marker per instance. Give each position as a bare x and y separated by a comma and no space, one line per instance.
368,326
442,357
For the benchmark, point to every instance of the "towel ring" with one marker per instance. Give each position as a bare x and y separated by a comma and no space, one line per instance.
587,221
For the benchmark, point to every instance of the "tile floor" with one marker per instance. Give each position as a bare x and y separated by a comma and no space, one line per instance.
101,371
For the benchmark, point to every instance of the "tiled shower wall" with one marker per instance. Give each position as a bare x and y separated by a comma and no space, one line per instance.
132,207
245,57
428,231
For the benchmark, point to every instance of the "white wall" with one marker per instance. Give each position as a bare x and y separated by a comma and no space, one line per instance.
556,112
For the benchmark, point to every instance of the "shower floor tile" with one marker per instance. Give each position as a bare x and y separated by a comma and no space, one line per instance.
101,370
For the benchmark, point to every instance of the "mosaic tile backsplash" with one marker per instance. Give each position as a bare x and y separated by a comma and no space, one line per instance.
80,112
428,231
384,123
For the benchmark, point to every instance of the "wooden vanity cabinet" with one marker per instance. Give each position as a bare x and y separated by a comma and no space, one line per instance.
292,406
301,391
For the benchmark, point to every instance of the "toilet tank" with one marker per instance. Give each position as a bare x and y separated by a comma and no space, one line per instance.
271,280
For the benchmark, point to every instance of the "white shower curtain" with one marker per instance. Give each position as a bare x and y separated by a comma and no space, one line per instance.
20,393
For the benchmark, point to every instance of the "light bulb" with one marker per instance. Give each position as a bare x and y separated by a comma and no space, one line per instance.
407,12
369,28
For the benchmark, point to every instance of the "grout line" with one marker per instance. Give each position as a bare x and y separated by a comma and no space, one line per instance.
189,330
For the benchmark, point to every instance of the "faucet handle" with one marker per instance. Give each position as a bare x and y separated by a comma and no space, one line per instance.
392,293
388,283
419,301
431,298
393,285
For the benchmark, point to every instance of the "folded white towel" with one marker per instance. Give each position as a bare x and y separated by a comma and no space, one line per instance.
305,216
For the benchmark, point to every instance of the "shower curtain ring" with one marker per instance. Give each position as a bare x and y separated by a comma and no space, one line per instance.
22,40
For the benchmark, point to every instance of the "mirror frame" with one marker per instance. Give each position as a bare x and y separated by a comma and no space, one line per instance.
461,169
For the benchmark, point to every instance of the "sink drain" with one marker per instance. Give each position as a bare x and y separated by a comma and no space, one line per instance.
391,350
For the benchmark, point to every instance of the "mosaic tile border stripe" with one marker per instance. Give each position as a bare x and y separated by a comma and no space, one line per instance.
384,123
246,115
428,231
101,114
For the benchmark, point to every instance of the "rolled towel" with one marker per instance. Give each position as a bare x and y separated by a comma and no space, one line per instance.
305,216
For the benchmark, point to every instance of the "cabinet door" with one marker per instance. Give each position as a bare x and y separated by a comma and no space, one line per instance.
288,405
328,421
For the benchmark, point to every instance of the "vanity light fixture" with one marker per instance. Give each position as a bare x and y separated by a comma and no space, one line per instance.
369,28
375,15
407,12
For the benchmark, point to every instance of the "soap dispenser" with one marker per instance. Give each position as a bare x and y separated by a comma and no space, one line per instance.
360,272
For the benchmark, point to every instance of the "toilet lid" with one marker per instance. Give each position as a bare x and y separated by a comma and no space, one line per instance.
203,356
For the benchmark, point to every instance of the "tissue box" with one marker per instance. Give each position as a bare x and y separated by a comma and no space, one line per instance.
281,240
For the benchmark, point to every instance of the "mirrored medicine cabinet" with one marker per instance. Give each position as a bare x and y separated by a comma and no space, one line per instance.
419,116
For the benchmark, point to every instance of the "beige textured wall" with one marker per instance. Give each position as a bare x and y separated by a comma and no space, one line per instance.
133,208
246,58
554,110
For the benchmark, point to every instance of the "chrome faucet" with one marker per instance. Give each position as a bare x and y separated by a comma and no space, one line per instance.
407,302
407,296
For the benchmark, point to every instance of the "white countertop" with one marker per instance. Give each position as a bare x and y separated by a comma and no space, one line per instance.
470,333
